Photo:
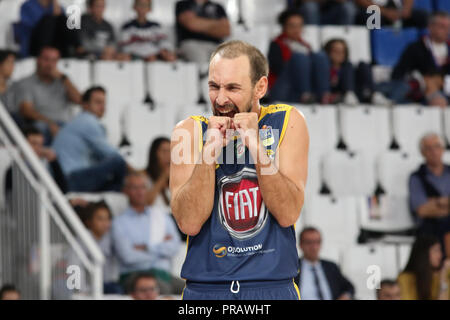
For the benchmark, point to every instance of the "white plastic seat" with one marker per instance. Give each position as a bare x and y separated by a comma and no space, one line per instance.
185,111
357,262
261,12
349,173
314,179
322,127
447,124
387,214
117,201
163,11
356,37
23,68
173,83
78,71
394,169
412,122
258,36
366,129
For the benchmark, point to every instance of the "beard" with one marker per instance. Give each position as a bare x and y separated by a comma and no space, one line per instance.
230,109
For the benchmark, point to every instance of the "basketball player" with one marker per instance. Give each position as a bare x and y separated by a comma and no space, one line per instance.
239,211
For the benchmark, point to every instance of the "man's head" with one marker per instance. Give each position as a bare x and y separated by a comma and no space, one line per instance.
36,139
94,101
143,286
47,61
7,60
310,242
135,187
291,22
389,290
9,292
432,149
439,27
142,7
237,78
96,8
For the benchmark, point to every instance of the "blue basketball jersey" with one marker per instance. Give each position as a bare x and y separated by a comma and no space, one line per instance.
241,240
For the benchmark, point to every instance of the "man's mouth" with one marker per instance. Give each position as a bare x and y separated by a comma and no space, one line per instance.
226,111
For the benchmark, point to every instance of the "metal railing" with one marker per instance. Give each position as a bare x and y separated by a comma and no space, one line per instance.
45,250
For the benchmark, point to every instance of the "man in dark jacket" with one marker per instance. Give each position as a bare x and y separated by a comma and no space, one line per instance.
320,279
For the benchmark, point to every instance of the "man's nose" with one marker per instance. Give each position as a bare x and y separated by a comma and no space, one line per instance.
222,98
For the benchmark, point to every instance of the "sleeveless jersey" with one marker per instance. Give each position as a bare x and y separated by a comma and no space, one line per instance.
241,240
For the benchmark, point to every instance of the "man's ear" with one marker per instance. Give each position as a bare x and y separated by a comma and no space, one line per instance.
261,87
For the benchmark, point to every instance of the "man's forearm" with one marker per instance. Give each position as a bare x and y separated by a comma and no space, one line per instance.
193,203
211,27
72,92
431,209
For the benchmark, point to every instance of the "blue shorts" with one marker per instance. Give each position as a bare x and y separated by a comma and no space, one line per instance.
242,290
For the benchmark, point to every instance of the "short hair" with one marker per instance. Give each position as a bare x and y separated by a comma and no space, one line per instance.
5,54
386,282
135,3
329,45
89,211
47,47
305,230
30,131
429,135
6,288
259,67
132,174
436,15
284,16
134,278
88,93
90,3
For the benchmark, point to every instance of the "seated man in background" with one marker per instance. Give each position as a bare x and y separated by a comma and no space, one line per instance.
429,192
89,162
9,292
46,155
144,39
393,13
146,238
389,290
319,279
201,25
43,98
340,12
143,286
97,35
297,75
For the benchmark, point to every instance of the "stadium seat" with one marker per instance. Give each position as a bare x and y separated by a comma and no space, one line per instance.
410,123
446,157
388,44
426,5
349,173
443,5
322,127
405,251
357,264
356,37
185,111
178,259
24,68
163,12
122,80
143,125
394,169
335,217
79,72
386,214
314,180
117,201
173,83
381,73
261,12
365,129
258,36
447,124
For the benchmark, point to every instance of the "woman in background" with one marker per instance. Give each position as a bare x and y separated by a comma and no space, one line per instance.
426,276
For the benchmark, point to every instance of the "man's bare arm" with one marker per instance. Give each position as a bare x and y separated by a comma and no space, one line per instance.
433,208
191,184
218,28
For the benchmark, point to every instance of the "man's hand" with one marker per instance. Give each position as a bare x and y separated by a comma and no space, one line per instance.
48,154
54,128
246,124
140,247
344,296
219,133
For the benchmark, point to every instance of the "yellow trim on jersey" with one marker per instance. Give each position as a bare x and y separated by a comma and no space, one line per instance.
199,120
277,108
296,289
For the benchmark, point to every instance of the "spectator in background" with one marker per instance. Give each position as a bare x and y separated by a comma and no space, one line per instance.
201,25
97,35
426,276
326,12
31,12
43,98
389,290
7,63
297,75
429,191
9,292
144,39
146,238
398,13
48,157
350,85
97,218
89,162
319,279
418,75
143,286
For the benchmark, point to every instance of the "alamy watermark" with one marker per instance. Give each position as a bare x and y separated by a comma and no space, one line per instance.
374,20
